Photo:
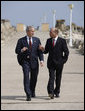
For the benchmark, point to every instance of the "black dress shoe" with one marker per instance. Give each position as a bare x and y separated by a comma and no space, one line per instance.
28,98
57,95
51,96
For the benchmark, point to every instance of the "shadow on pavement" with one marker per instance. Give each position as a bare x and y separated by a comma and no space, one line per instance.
13,97
73,72
23,98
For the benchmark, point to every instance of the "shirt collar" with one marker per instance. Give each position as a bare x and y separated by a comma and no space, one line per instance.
28,37
56,38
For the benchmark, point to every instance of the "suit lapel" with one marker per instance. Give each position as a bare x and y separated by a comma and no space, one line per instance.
26,42
51,43
33,42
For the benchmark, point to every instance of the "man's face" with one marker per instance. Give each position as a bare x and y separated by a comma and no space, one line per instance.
30,33
52,33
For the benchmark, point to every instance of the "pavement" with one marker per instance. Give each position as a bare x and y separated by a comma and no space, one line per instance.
12,92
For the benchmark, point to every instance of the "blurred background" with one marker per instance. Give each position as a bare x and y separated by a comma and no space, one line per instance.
68,17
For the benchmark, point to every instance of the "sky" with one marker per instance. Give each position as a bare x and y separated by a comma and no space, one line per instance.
32,12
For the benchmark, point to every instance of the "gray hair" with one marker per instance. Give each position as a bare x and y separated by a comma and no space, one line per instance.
28,28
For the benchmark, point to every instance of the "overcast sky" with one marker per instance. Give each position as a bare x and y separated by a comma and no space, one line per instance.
31,12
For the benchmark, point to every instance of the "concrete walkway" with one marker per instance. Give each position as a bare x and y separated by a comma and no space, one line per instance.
12,92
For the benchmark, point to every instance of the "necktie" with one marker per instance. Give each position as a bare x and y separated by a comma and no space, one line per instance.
53,42
30,43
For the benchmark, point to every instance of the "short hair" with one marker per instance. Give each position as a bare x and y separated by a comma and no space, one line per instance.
55,30
28,28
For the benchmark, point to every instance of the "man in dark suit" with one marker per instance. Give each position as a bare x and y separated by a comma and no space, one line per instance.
27,51
58,55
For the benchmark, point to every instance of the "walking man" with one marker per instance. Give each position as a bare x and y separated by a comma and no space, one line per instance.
58,55
27,50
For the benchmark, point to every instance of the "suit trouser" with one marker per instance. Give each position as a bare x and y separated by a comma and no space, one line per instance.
55,74
30,78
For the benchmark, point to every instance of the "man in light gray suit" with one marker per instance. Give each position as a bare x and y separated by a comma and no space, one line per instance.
28,52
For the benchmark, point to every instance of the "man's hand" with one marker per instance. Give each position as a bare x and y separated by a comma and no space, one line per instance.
24,49
41,48
41,63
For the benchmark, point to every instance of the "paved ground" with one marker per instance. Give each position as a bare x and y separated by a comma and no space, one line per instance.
12,92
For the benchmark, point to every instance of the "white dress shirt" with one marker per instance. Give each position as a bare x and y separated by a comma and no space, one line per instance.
55,40
28,40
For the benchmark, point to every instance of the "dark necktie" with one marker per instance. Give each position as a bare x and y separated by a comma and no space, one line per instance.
30,43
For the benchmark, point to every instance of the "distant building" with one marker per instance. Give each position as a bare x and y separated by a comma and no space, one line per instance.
21,27
60,24
45,27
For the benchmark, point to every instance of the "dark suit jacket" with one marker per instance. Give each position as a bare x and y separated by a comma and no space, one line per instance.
58,54
32,55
